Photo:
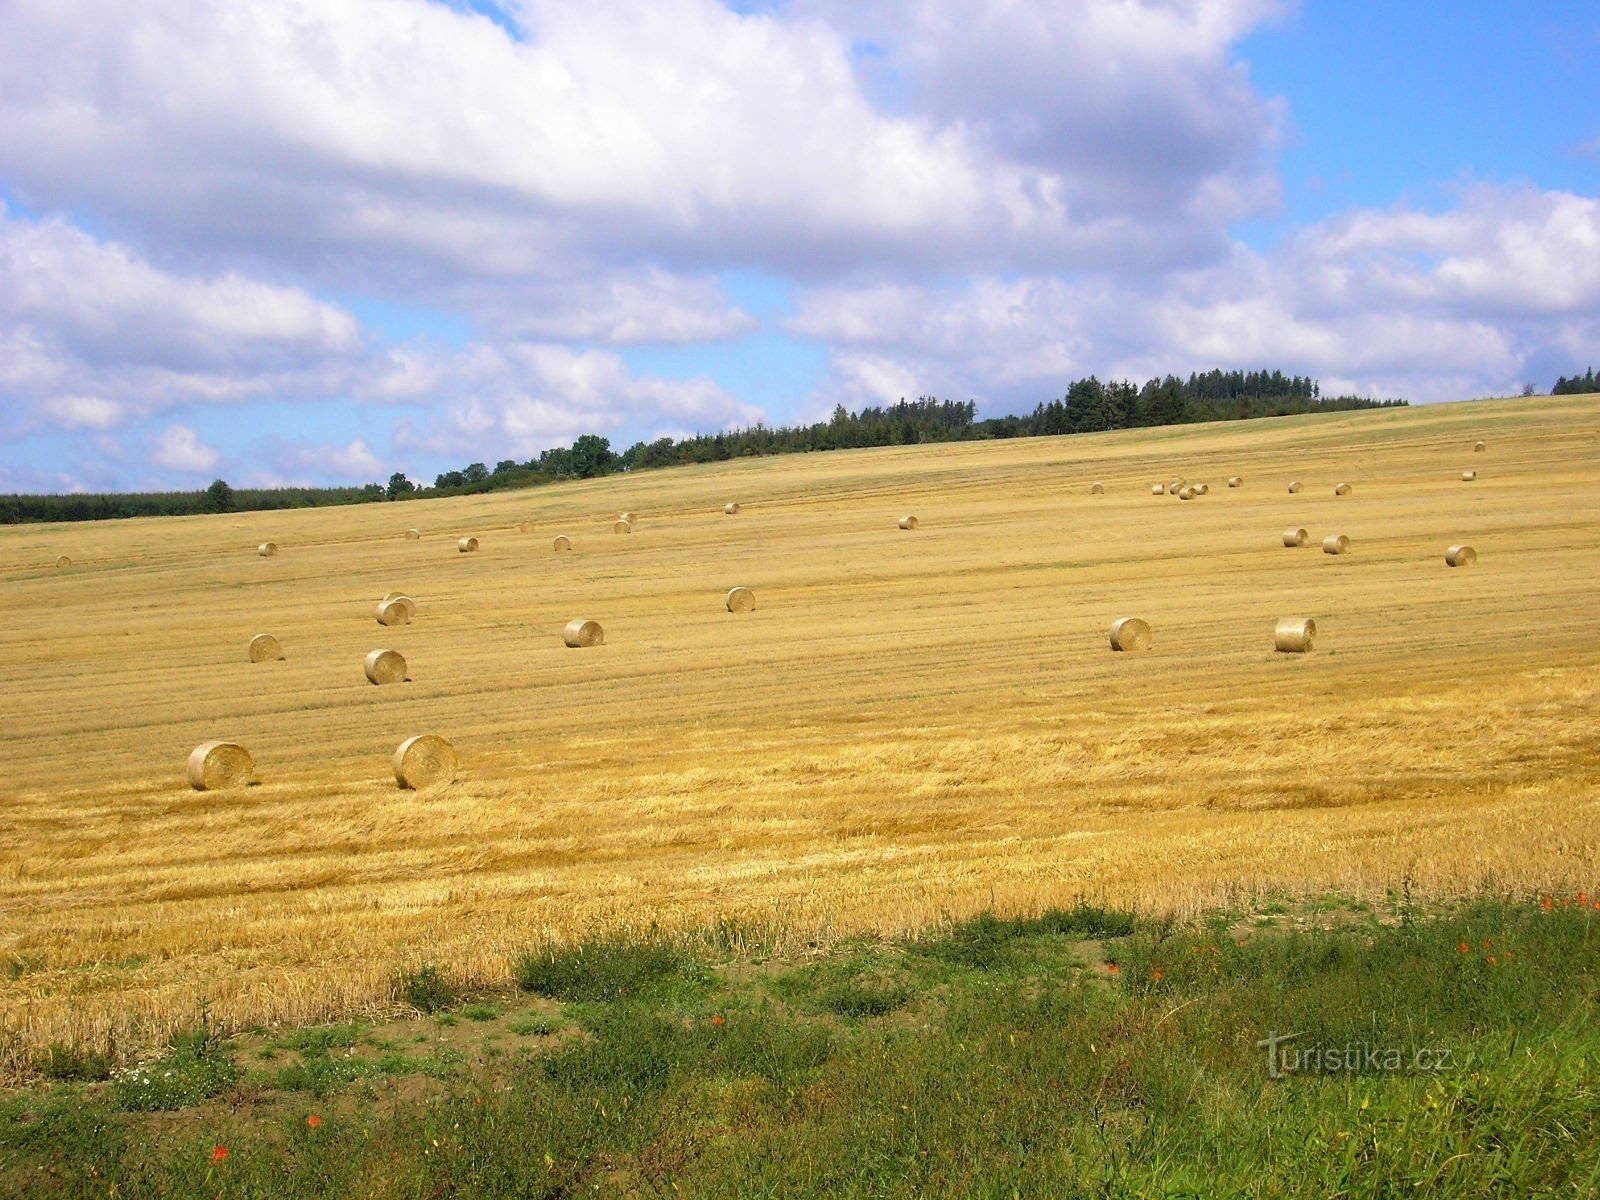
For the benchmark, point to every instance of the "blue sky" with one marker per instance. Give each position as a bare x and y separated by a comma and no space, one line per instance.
318,241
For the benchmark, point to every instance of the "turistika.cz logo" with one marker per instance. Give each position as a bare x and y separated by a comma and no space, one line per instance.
1285,1058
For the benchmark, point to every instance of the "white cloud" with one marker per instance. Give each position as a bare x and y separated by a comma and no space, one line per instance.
629,308
179,448
82,412
284,462
93,335
400,139
523,397
1472,301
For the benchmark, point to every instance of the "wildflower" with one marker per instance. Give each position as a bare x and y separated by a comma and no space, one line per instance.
1112,968
1491,960
1464,948
1488,943
1583,897
1546,904
218,1154
313,1121
1156,975
717,1020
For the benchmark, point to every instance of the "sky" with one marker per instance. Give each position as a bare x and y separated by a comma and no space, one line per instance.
321,241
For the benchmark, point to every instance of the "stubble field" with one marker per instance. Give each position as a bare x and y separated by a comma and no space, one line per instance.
911,724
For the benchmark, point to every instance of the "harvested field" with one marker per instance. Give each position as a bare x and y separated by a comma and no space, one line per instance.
859,752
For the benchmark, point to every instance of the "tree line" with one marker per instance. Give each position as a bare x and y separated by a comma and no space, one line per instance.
1088,406
1578,385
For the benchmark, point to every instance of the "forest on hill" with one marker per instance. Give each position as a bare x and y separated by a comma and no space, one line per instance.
1089,406
1579,385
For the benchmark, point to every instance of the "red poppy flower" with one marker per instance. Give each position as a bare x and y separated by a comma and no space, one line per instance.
1583,897
1111,967
717,1020
220,1153
1156,975
1464,948
313,1121
1546,904
1491,960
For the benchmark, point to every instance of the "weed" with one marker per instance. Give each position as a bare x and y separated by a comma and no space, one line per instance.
425,988
534,1024
196,1067
611,970
75,1063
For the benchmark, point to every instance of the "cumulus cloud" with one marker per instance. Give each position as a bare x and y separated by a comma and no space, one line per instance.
1389,302
626,308
281,462
92,334
401,138
179,448
523,397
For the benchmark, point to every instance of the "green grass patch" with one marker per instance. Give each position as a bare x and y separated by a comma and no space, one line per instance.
426,988
609,970
1456,1053
196,1067
534,1024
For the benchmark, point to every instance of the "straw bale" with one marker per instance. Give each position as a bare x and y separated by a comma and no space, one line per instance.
424,760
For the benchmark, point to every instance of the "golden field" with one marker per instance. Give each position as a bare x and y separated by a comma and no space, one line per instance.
910,724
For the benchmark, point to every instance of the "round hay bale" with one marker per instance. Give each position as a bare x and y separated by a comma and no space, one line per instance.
1130,633
1295,537
1097,489
267,549
1202,489
1235,481
1460,556
629,517
741,599
265,648
524,526
908,522
1468,476
1294,635
1294,487
1158,489
390,597
423,761
1186,493
1335,543
386,666
214,765
467,544
1176,486
63,561
412,535
581,633
731,510
622,527
1478,448
394,612
1341,489
562,542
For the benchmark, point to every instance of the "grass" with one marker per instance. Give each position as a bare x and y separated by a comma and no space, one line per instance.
1455,1053
908,730
611,969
